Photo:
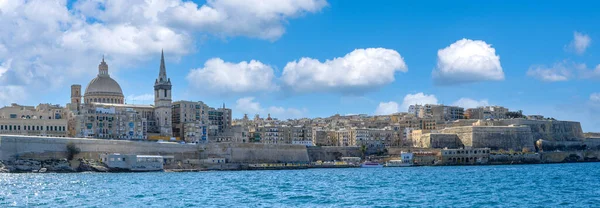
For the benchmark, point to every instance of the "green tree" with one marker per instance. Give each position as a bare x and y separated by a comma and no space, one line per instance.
363,150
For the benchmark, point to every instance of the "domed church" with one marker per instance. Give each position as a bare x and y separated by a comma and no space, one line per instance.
102,112
103,89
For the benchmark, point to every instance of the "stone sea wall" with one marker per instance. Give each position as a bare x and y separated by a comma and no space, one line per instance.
255,152
332,153
43,148
527,158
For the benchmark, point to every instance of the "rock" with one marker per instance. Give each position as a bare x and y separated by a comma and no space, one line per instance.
26,165
91,166
3,168
61,165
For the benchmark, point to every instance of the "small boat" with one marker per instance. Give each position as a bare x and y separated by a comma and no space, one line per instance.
371,165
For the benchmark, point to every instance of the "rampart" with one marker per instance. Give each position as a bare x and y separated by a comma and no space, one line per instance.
550,130
438,140
332,153
41,148
255,152
494,137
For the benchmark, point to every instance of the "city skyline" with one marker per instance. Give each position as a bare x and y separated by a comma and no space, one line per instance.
277,65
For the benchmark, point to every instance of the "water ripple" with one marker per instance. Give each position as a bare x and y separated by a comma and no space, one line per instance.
570,185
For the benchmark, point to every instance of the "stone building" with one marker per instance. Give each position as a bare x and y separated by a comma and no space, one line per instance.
203,120
43,120
464,156
487,112
103,95
112,121
374,138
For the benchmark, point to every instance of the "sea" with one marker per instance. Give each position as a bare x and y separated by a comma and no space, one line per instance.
543,185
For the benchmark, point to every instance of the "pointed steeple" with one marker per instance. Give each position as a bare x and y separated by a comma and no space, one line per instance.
162,75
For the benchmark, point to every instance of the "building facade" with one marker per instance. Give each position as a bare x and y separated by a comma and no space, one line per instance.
43,120
104,114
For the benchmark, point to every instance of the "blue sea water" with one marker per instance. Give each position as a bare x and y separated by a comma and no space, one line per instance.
552,185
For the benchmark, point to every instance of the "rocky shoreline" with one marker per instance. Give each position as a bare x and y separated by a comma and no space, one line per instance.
52,166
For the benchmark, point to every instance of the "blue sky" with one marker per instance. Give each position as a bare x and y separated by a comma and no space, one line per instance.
541,58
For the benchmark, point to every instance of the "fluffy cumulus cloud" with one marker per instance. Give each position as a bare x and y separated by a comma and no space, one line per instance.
218,76
418,98
470,103
467,61
580,42
563,71
359,70
386,108
46,45
248,105
254,18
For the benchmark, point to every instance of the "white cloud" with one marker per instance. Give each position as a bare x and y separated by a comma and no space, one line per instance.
595,97
563,71
254,18
361,69
218,76
248,106
580,42
386,108
12,94
591,73
467,61
140,99
4,67
418,98
52,45
470,103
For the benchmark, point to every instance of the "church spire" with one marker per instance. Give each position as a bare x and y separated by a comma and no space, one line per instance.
162,75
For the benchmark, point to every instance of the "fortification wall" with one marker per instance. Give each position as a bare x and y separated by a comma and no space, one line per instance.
550,130
42,148
437,140
332,153
530,158
256,153
494,137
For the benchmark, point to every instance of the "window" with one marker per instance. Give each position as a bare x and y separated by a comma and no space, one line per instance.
165,93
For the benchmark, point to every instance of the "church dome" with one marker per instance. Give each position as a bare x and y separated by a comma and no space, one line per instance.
104,86
103,89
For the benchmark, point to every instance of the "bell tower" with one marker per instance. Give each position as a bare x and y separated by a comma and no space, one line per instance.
162,100
76,96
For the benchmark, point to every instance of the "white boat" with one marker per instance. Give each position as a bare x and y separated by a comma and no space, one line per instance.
371,165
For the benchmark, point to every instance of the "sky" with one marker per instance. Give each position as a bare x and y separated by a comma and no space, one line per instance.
311,58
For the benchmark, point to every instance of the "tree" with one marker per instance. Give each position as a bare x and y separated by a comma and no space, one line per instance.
363,150
72,150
